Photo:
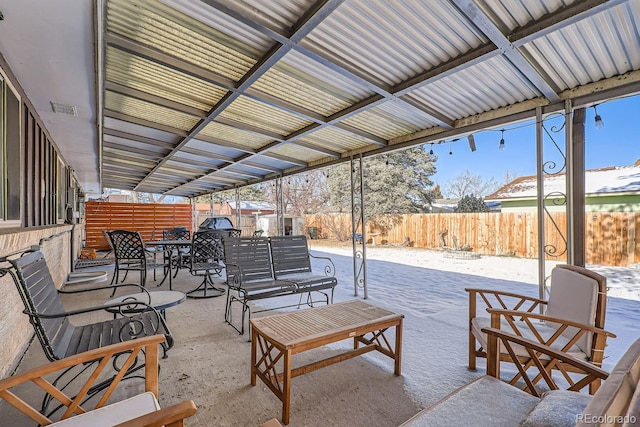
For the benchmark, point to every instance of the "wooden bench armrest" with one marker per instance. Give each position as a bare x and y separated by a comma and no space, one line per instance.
171,416
504,293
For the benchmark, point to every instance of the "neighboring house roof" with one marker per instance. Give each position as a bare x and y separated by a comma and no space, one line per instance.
253,206
598,182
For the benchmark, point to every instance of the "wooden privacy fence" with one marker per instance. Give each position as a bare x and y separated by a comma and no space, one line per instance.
611,238
146,218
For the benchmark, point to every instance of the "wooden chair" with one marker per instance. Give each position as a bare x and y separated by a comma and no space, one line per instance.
131,255
573,319
84,409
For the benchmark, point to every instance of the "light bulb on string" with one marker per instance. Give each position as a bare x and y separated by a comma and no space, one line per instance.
598,119
501,145
450,150
431,151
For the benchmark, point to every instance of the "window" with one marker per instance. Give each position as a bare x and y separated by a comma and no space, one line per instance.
10,156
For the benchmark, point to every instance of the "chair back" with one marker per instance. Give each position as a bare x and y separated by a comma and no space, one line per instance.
40,295
251,254
578,295
177,233
127,245
206,249
290,255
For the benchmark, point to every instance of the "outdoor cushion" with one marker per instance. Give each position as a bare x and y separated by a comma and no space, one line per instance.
573,297
558,408
485,402
115,413
616,392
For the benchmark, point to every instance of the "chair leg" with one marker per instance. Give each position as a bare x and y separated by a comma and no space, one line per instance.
472,351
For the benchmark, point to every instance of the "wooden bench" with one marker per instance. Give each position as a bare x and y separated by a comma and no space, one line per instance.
489,401
251,273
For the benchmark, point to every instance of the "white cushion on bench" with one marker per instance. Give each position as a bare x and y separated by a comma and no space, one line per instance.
484,402
558,408
113,414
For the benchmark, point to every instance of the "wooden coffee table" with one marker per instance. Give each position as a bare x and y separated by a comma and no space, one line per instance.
274,339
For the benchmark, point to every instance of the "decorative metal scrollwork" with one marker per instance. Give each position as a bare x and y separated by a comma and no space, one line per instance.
556,198
360,274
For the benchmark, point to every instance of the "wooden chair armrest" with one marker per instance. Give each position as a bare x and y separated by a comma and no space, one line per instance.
499,299
149,346
528,315
171,416
504,293
541,366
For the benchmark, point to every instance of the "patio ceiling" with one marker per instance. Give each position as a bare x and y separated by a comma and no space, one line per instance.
202,96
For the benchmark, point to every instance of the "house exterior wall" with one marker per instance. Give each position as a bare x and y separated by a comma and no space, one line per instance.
614,203
15,329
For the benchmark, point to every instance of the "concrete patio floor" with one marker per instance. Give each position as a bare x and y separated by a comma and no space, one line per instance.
210,362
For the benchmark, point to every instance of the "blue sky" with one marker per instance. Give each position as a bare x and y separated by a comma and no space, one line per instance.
616,144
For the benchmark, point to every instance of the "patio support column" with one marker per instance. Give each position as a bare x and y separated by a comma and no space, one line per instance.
569,181
279,206
540,205
577,201
359,256
238,210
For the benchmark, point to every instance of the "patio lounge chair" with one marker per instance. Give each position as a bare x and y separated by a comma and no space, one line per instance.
79,409
57,334
572,322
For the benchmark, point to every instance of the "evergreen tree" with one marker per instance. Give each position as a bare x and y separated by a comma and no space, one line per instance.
394,183
471,204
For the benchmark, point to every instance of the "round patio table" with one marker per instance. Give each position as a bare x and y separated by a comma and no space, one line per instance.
160,300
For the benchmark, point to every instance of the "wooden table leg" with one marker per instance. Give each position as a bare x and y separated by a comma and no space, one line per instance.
254,348
398,359
286,387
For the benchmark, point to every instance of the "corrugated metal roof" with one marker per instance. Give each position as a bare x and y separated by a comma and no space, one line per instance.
215,94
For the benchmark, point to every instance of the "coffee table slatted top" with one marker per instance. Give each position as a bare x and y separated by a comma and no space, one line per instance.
299,327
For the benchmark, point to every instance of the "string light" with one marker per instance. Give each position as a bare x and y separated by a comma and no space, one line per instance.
431,151
598,119
450,150
501,145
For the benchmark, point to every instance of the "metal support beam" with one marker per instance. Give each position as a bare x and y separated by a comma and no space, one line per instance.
569,181
358,218
578,189
238,210
279,206
540,207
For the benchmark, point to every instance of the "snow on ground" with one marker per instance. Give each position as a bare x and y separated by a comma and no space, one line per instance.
428,288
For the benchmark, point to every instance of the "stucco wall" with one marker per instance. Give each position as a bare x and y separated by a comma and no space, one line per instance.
15,329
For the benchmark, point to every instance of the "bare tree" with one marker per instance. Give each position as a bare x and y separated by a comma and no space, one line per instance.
470,184
302,194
